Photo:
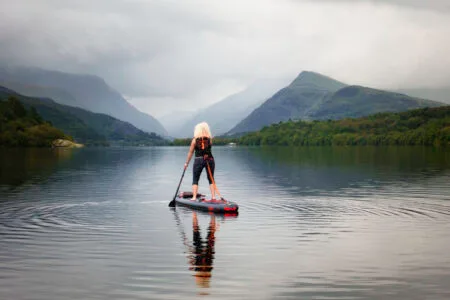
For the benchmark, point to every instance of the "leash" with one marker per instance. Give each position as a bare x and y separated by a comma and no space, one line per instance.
212,179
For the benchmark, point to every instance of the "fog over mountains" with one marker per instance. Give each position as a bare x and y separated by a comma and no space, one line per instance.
312,96
225,114
85,126
441,94
79,90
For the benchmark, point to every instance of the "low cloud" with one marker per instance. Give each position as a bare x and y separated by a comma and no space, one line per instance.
197,52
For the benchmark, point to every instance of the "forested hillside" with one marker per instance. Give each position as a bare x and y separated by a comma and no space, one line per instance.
426,126
20,127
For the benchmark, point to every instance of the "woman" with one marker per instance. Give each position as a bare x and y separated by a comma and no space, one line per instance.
201,145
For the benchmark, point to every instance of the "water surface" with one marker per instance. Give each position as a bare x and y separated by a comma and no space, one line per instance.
314,223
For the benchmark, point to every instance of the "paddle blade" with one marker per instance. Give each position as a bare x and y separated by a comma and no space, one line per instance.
172,203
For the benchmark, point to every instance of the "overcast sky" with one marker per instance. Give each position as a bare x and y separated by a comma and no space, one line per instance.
175,55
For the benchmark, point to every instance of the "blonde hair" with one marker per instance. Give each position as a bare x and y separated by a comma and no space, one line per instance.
201,130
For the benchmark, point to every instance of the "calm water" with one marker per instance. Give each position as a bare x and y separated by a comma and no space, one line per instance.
314,223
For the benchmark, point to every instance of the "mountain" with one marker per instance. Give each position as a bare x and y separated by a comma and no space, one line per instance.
85,126
305,93
85,91
20,127
312,96
174,121
437,94
58,95
225,114
358,101
423,126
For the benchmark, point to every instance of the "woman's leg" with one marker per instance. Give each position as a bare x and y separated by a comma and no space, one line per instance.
194,191
196,172
213,191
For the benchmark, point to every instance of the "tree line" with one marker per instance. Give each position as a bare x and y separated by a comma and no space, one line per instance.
426,126
21,127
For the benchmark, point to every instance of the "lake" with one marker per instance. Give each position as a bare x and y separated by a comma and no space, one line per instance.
314,223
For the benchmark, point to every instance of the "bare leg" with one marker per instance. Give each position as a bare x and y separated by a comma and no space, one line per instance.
194,191
213,191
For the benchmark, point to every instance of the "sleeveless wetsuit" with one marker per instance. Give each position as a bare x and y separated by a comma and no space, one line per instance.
203,156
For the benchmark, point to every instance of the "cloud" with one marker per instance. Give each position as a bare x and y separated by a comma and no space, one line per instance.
420,4
185,54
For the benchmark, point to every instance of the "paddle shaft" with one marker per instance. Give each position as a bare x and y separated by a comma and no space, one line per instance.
172,203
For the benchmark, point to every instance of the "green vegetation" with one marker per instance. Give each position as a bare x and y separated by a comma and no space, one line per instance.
91,129
426,126
358,101
76,90
20,127
312,96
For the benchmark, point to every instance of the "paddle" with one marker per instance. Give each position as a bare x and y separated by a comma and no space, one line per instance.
172,203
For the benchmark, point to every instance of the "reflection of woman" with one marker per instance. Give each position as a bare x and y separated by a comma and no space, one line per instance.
202,252
201,145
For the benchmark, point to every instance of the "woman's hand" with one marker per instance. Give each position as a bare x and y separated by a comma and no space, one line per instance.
185,165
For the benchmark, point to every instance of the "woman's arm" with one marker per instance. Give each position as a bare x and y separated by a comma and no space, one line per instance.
191,151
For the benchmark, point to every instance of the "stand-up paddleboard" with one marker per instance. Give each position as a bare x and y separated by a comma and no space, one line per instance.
201,203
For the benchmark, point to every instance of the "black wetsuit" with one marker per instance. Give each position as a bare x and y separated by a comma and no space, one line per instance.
203,158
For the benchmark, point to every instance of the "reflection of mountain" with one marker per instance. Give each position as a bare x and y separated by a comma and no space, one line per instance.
18,166
314,169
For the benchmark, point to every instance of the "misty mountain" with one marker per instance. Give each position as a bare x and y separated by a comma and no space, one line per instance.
85,91
359,101
436,94
305,93
59,95
225,114
174,120
85,126
312,96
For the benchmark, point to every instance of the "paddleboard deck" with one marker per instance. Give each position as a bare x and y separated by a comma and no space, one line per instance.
210,205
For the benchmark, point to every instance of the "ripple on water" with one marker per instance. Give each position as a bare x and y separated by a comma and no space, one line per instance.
27,220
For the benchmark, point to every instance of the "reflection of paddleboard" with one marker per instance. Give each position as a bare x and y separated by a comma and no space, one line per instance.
201,203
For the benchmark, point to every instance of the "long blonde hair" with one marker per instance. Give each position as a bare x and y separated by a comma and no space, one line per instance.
201,130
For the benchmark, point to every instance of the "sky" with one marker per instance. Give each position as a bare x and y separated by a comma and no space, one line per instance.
173,55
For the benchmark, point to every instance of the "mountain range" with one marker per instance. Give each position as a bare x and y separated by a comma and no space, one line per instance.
85,126
85,91
225,114
312,96
102,114
440,94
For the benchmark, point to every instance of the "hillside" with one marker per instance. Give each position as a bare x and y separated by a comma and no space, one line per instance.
436,94
20,127
58,95
426,126
89,92
85,126
305,93
315,97
358,101
227,113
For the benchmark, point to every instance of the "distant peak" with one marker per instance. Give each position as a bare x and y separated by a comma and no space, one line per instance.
310,75
316,80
